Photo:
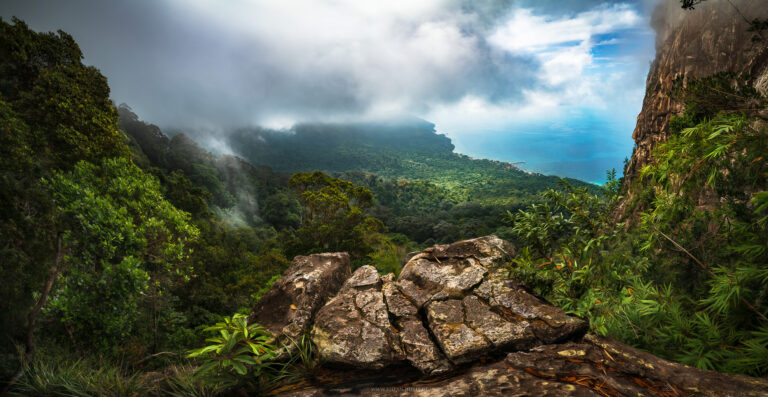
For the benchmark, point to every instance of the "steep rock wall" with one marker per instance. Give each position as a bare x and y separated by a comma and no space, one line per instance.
693,44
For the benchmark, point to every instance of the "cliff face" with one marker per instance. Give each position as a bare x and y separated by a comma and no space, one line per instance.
695,44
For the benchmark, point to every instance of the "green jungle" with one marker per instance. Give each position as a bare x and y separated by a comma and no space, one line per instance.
130,257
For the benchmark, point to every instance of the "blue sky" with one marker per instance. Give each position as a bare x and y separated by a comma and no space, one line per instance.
557,84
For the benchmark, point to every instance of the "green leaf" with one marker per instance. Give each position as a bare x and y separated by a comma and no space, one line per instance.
239,367
245,359
206,367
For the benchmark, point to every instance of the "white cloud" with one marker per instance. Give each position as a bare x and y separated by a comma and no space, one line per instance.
565,64
526,32
237,62
306,60
474,114
569,74
563,46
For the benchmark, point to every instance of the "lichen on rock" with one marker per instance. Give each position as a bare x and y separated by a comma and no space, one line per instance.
353,328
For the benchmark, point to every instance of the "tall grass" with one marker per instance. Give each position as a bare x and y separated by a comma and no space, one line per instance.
59,376
59,373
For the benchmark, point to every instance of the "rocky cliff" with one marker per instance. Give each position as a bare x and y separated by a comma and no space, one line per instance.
697,43
453,324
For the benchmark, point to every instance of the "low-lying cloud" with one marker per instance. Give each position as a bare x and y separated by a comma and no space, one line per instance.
218,65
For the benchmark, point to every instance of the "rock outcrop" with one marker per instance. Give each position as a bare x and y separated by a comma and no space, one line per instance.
449,306
458,327
695,44
288,309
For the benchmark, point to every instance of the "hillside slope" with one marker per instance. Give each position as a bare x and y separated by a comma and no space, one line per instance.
409,149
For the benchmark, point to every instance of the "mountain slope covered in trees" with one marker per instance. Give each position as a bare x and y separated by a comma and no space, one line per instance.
404,149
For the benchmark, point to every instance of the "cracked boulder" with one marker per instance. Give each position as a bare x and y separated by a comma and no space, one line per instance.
491,251
471,308
451,305
453,270
549,323
353,328
423,280
467,329
502,333
287,310
420,350
461,343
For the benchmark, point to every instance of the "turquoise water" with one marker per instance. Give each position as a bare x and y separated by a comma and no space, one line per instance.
584,148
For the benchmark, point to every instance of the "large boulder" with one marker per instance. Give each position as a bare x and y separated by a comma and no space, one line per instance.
452,324
353,329
450,305
287,310
491,251
470,306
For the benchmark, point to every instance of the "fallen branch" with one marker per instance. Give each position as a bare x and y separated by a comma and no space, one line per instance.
151,356
708,270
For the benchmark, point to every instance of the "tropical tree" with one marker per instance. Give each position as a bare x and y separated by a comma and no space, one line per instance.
54,112
125,245
332,216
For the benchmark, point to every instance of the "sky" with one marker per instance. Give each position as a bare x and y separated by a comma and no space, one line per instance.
556,84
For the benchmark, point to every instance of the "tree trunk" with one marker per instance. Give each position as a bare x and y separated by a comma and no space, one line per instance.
32,316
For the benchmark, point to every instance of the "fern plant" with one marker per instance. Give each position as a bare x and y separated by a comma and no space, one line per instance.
706,230
689,281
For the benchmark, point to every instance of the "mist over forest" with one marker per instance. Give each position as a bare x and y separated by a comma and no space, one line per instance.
498,71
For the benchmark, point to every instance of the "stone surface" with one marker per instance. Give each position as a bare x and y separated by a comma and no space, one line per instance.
503,334
451,270
449,306
420,350
287,310
490,251
594,366
550,323
459,342
397,304
451,277
353,328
